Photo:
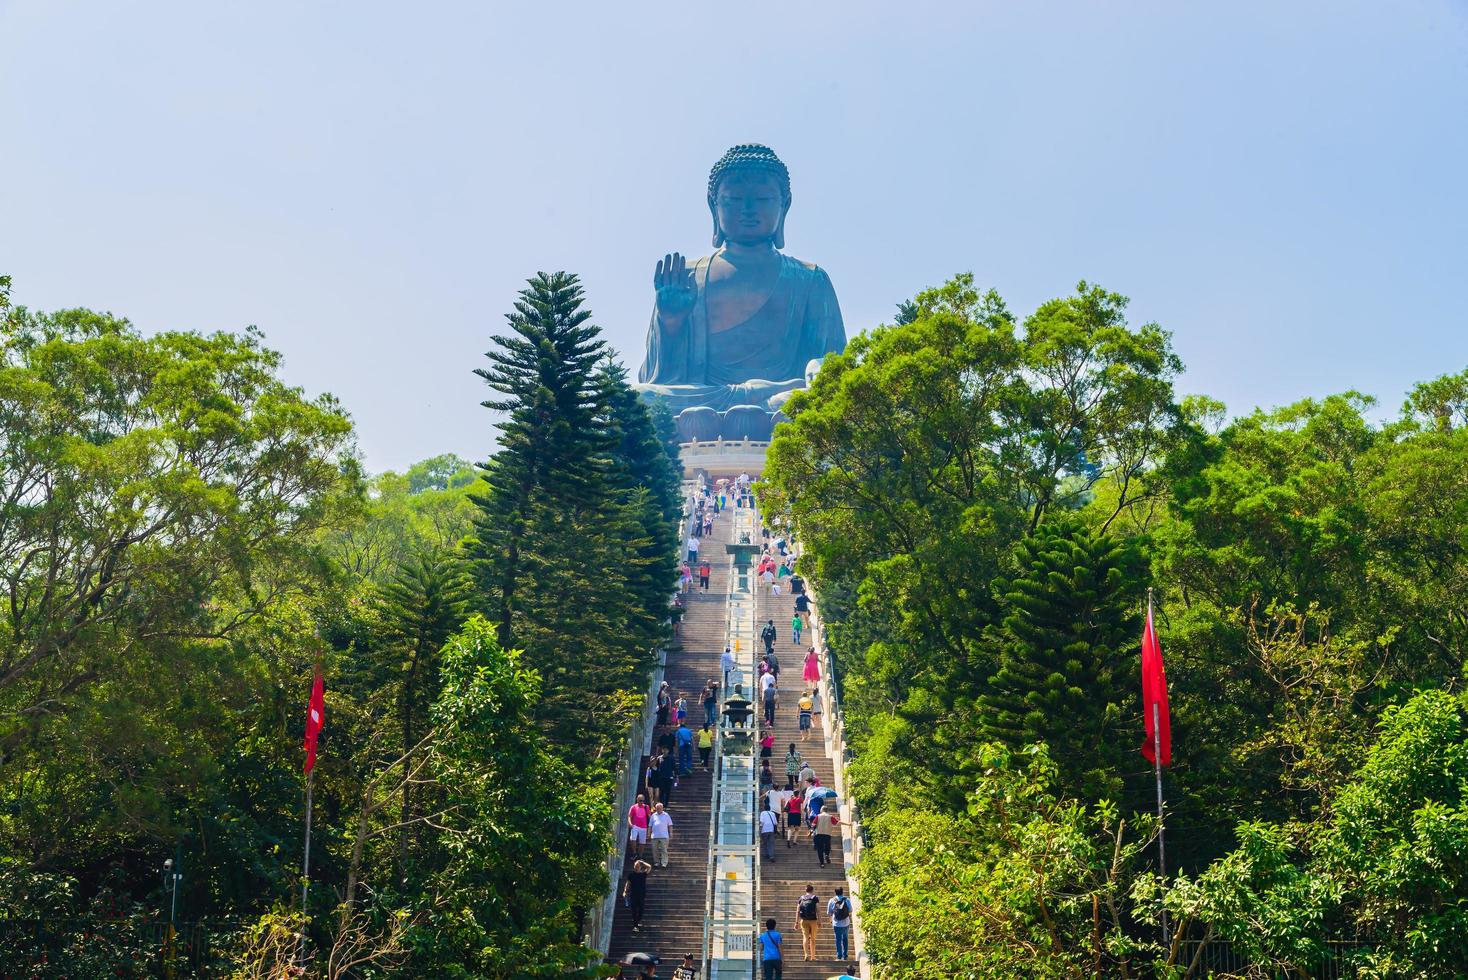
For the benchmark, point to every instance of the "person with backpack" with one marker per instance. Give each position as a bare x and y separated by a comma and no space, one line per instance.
839,908
808,914
802,601
769,635
771,955
806,703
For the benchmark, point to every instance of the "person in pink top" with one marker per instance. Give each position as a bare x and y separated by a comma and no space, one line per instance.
812,674
637,823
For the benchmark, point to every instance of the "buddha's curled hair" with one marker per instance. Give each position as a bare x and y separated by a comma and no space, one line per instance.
750,157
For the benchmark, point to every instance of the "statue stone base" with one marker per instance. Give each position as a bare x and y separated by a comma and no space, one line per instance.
740,422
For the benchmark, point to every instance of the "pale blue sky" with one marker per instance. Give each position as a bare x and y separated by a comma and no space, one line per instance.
1281,184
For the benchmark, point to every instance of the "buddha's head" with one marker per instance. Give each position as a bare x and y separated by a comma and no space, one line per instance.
749,194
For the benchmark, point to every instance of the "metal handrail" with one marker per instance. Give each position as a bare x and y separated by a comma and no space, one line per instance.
709,875
599,929
834,737
717,846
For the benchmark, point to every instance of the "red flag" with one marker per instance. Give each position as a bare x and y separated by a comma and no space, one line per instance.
315,717
1154,692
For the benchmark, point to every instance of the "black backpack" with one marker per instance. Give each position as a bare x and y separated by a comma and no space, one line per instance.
807,908
843,908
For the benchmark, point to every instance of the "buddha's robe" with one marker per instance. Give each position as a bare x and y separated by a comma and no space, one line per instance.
752,361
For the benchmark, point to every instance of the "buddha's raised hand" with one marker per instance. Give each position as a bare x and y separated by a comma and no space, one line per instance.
674,282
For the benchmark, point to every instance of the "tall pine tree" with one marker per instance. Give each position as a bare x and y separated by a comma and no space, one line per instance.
1066,656
422,606
552,445
574,541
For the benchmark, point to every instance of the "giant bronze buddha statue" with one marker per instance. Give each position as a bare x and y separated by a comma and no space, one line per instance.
733,334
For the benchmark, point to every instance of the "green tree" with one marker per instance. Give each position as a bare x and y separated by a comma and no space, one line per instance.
924,452
442,472
573,542
517,862
1440,404
1066,673
1100,402
637,449
421,608
152,490
1385,866
1024,882
552,456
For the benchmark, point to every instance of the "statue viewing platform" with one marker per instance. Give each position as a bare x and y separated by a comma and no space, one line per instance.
718,458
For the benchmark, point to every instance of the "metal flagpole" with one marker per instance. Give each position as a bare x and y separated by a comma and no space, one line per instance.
1161,846
1157,771
306,864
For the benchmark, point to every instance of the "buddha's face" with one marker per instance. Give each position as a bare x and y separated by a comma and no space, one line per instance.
749,207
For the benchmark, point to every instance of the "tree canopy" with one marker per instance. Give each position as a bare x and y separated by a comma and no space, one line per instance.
984,503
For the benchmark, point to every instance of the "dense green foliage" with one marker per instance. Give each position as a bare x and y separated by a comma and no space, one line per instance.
984,506
182,535
1063,652
575,535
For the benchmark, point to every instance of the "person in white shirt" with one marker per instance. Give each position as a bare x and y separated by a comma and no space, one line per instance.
778,799
727,661
769,825
660,826
692,549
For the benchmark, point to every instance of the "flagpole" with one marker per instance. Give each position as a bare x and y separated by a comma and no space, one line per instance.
306,864
1161,847
1157,772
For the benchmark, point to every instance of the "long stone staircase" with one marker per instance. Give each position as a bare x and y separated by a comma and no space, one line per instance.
782,883
672,923
673,920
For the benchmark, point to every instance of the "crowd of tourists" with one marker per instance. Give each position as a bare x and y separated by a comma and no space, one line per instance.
794,806
650,820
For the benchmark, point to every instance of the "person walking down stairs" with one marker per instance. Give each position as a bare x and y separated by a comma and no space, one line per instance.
661,827
634,891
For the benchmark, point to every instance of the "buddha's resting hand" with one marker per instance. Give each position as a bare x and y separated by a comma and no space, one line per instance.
674,282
